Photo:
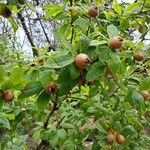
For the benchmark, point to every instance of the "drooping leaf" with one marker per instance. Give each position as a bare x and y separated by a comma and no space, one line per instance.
74,71
96,42
13,24
145,84
114,62
66,82
60,61
43,100
31,89
95,71
81,23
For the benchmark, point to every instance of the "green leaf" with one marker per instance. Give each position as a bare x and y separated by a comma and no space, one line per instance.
137,99
31,89
45,77
62,41
61,133
4,121
66,82
97,43
117,7
43,100
53,10
16,75
13,24
2,74
133,8
99,127
103,54
112,31
60,61
74,71
81,23
95,71
114,62
124,23
145,84
1,102
20,140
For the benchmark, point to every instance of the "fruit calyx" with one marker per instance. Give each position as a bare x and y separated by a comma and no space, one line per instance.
50,88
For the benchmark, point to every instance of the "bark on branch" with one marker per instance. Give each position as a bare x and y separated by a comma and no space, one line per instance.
22,20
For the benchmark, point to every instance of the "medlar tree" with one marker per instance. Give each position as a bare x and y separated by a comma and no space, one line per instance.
92,92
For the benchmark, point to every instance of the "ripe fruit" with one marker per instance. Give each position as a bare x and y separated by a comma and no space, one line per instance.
8,96
138,56
116,42
50,88
93,10
110,138
145,94
6,12
82,61
21,2
120,139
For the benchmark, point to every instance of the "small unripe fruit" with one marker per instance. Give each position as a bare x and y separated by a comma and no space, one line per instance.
146,95
6,12
50,88
138,56
8,96
82,60
110,138
120,139
93,11
23,110
116,42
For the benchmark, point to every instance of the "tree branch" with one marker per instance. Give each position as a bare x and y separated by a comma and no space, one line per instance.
22,19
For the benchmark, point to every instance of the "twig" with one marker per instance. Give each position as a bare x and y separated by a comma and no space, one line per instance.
59,122
54,108
143,5
72,32
22,19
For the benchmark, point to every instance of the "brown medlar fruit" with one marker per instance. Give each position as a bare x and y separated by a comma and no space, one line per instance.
138,56
110,138
82,60
93,10
120,139
50,88
116,42
8,96
146,95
